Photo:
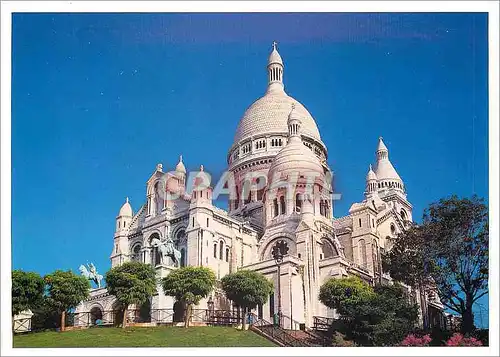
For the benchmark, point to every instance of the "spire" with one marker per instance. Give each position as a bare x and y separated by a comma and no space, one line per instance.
275,70
180,166
126,209
382,152
370,176
371,182
385,172
294,123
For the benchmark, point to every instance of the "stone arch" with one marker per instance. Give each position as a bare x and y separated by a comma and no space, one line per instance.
155,257
266,242
96,313
147,238
403,214
328,248
266,246
136,251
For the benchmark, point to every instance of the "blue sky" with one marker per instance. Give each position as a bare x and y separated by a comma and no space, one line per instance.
99,99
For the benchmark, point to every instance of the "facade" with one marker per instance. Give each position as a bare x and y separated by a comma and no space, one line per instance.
281,191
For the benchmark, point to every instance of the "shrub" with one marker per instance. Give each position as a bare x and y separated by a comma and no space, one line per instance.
412,340
459,340
339,340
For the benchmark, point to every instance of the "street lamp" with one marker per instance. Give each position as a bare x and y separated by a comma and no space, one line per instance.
279,251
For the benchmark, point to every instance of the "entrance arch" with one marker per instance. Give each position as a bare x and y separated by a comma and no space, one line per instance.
96,315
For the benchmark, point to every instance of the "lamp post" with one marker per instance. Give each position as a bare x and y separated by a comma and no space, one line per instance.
279,251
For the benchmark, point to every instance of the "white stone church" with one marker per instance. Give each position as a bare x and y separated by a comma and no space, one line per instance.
281,190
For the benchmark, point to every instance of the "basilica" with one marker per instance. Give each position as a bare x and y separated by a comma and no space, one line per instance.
280,190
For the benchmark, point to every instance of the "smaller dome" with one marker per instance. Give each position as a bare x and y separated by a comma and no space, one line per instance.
295,157
126,210
180,166
371,176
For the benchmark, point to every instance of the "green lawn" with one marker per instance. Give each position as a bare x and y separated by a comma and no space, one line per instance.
144,337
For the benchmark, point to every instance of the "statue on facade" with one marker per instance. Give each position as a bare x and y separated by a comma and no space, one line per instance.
167,250
91,274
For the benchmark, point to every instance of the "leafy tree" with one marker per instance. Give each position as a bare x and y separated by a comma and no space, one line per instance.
66,290
337,292
27,290
45,315
131,283
247,289
451,250
189,285
383,318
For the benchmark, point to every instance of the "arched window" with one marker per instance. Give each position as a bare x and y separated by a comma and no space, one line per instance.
327,249
221,250
136,253
180,234
282,205
215,250
393,229
155,253
227,254
403,215
298,203
275,204
362,253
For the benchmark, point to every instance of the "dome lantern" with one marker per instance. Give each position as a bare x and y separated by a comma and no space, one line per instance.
275,71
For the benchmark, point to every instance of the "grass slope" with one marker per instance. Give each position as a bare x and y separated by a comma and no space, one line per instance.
144,337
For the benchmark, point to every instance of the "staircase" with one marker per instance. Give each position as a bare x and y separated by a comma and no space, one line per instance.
287,337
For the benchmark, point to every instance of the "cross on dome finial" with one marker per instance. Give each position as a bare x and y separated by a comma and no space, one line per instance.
275,44
202,168
180,158
126,200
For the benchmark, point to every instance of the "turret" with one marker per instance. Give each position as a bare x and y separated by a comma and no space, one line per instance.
387,177
124,216
371,182
275,71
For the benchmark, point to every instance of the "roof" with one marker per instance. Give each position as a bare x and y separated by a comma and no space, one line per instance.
180,166
269,114
126,209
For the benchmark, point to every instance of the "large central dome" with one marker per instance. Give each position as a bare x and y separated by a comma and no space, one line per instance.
269,114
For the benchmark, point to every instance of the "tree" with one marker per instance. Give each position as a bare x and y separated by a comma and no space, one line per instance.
27,291
382,318
131,283
45,315
408,262
66,290
451,250
247,289
189,285
337,292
